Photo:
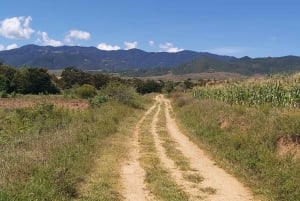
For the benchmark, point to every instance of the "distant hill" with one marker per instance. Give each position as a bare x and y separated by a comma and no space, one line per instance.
136,62
245,65
91,58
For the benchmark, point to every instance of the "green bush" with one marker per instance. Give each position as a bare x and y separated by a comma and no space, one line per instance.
3,94
85,91
123,93
99,99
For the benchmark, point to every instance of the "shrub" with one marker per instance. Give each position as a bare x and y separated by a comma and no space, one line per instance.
85,91
99,99
3,94
123,93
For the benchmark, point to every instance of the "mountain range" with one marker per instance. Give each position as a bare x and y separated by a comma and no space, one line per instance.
91,58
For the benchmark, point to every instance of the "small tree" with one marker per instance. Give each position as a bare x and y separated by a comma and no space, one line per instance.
72,76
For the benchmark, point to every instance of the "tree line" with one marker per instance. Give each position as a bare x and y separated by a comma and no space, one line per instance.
28,80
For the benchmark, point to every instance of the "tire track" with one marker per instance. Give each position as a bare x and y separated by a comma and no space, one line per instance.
192,189
227,187
132,174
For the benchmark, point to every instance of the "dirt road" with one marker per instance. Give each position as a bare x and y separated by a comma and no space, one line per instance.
202,180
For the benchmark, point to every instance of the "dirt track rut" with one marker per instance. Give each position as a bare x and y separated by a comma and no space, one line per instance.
225,186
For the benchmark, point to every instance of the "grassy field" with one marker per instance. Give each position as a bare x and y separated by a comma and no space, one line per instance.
259,143
47,151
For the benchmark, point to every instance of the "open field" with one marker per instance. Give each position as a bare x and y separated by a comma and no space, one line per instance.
31,100
196,76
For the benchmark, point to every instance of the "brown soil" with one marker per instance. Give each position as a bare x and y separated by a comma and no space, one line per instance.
289,145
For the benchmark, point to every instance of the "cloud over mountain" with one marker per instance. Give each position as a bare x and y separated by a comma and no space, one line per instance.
107,47
16,27
169,47
77,35
130,45
45,40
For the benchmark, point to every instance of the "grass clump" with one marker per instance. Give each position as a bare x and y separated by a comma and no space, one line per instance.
195,178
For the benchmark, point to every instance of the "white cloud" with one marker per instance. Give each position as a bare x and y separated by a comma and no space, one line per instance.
9,47
45,40
107,47
151,43
16,27
12,46
130,45
226,50
78,35
169,47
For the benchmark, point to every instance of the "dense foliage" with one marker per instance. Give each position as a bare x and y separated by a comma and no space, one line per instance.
26,80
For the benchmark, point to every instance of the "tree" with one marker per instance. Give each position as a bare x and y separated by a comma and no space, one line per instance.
9,73
72,76
4,83
100,80
33,81
188,84
149,86
169,86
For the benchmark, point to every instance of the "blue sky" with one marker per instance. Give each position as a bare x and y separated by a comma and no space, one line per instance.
256,28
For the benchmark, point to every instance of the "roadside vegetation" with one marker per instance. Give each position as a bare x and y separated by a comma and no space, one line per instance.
50,144
253,135
46,151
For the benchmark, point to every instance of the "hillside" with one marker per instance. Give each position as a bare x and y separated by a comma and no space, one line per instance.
137,62
91,58
245,65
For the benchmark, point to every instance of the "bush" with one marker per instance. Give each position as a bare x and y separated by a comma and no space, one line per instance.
99,99
124,94
3,94
149,86
85,91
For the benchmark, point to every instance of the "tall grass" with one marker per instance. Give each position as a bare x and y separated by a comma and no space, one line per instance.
245,141
47,151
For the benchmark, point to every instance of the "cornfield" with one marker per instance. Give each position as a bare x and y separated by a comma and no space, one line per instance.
277,92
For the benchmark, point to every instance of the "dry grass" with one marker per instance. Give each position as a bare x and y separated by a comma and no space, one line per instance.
46,151
30,100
